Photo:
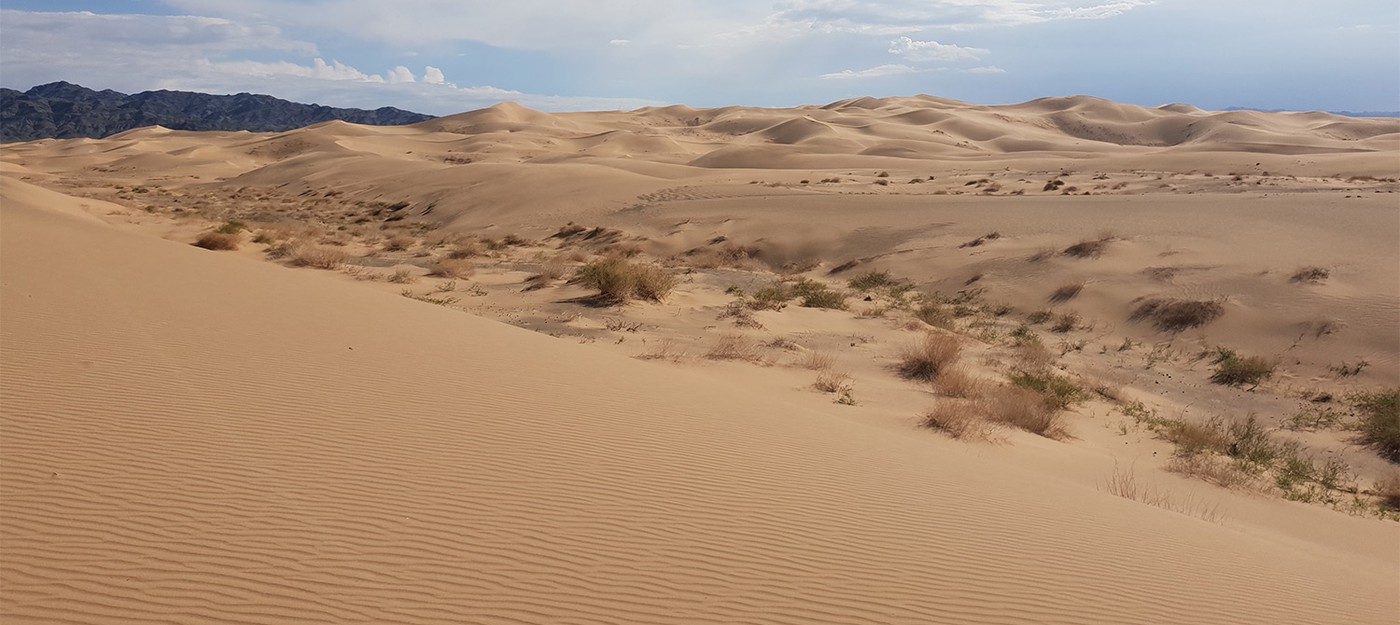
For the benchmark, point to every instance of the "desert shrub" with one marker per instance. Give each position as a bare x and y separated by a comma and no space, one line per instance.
871,280
824,298
1388,491
1310,275
1250,444
316,256
1038,317
959,420
1171,315
1066,293
1065,323
1379,422
1210,469
1231,369
467,249
1023,334
1193,439
734,347
1091,248
830,381
1058,392
927,358
772,297
454,268
1024,409
619,280
816,361
402,275
957,382
216,240
935,315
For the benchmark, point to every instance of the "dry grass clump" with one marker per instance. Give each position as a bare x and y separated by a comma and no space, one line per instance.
1388,492
1056,392
1208,468
1024,409
734,347
619,280
453,268
219,241
1124,483
317,256
960,420
1231,369
957,382
830,381
816,361
550,271
935,314
871,280
1310,275
1170,315
926,359
1066,323
403,275
1066,293
1090,248
467,249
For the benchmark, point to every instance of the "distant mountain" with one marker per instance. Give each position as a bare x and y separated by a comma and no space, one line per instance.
1342,113
63,111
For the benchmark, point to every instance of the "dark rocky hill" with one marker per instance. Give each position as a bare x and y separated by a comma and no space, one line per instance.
63,110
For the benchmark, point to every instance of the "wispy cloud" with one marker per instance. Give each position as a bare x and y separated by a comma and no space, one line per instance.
881,71
923,51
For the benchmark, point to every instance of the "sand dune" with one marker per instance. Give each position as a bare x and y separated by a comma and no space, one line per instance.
199,436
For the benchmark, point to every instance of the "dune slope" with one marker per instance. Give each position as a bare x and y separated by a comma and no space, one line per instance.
193,437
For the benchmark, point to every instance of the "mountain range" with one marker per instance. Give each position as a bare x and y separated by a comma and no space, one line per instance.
63,110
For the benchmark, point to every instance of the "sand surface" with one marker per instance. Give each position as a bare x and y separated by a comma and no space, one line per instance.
198,436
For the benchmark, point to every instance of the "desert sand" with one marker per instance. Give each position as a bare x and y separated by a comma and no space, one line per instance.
442,426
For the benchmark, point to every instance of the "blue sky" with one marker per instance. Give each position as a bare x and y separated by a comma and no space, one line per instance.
447,56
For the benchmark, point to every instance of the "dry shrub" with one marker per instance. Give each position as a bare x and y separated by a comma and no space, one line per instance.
1231,369
403,275
1093,248
960,420
1032,356
399,243
552,270
1066,322
1388,491
618,280
740,313
1171,315
221,241
1124,483
935,315
454,268
1310,275
734,347
830,381
816,361
1066,293
926,359
666,349
1379,422
1024,409
319,257
957,382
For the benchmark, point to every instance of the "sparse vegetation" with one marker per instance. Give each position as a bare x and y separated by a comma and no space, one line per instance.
1170,315
1065,323
1379,425
1024,409
830,381
618,280
403,275
935,315
926,359
1066,293
1089,248
454,268
1231,369
1310,275
319,257
734,347
957,382
872,280
959,420
1057,392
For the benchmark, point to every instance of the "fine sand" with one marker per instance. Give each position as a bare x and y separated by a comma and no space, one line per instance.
197,436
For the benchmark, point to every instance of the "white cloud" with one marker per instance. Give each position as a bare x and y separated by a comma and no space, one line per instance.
620,42
401,74
874,72
988,69
923,51
433,76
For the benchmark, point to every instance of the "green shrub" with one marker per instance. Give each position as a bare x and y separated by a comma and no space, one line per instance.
1058,392
872,280
1379,413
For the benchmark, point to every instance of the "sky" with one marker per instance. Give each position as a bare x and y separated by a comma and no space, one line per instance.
447,56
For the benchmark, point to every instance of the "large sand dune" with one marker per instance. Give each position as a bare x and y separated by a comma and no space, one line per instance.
192,436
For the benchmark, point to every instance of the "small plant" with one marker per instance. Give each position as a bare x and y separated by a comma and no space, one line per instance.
403,276
231,227
957,382
618,280
1065,323
734,347
1310,275
1091,248
1026,410
1170,315
1038,317
219,241
830,381
399,243
926,359
824,298
935,315
440,301
816,361
1347,370
772,297
1058,392
1231,369
1024,334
